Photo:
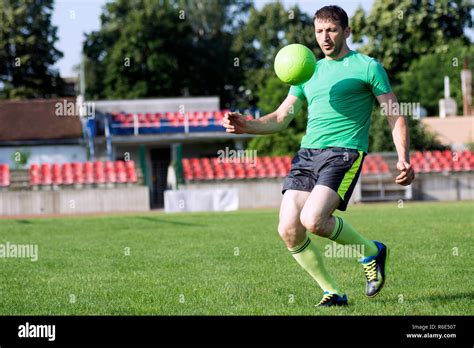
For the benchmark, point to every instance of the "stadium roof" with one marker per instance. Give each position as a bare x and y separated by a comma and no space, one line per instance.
37,120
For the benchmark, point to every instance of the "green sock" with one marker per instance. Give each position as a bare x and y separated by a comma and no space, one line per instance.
345,234
308,256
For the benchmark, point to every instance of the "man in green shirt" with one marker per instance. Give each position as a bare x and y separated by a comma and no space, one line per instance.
340,96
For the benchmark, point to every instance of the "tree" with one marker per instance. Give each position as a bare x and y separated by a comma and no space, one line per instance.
396,32
419,83
380,135
27,51
159,48
140,51
406,36
258,42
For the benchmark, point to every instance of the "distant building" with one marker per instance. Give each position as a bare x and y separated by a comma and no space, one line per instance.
33,127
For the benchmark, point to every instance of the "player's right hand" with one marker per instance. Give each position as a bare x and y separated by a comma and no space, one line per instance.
234,122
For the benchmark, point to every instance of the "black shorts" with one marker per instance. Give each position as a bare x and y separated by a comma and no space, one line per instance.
335,167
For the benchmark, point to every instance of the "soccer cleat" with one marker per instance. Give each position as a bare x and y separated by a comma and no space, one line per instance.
374,268
329,300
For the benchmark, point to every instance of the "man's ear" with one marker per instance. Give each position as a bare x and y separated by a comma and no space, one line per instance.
347,32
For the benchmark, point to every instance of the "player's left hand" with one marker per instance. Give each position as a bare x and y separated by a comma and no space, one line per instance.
407,174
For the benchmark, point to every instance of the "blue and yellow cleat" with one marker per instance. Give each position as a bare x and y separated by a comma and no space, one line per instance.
329,300
375,270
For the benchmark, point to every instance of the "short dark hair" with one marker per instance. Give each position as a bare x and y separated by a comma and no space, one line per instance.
334,13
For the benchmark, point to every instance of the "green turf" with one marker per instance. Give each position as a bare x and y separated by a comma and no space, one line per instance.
186,264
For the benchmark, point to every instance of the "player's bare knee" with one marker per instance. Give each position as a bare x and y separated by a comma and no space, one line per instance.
285,231
315,224
290,234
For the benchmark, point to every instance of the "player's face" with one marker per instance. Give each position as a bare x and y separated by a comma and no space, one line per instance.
330,36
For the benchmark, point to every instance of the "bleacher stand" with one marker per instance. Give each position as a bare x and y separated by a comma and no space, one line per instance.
442,161
167,122
196,169
78,175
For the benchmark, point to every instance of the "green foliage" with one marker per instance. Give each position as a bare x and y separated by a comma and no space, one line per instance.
20,158
470,146
27,50
380,135
258,42
416,41
160,48
419,84
138,51
397,32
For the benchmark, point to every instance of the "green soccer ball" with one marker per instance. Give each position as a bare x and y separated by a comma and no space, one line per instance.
295,64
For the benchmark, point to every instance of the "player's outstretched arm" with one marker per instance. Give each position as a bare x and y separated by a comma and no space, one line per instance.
274,122
400,135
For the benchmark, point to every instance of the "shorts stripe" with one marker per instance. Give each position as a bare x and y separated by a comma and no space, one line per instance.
349,176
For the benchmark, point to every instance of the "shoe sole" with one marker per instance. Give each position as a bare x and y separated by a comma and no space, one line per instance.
335,305
385,274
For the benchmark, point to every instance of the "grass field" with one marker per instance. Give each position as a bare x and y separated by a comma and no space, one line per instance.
233,264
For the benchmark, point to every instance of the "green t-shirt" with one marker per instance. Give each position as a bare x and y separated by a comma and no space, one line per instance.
341,95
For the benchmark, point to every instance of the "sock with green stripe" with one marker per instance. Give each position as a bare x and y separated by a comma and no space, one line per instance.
345,234
308,256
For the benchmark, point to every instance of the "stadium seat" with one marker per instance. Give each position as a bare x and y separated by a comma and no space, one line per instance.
110,176
99,173
130,171
35,175
88,173
56,174
67,174
77,173
46,178
442,161
4,175
120,173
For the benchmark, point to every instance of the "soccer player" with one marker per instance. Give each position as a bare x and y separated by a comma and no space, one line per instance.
340,97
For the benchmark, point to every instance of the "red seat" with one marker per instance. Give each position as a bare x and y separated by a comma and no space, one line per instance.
35,176
110,176
77,173
4,175
88,173
46,174
384,168
130,171
120,118
141,117
99,174
67,174
120,172
56,174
